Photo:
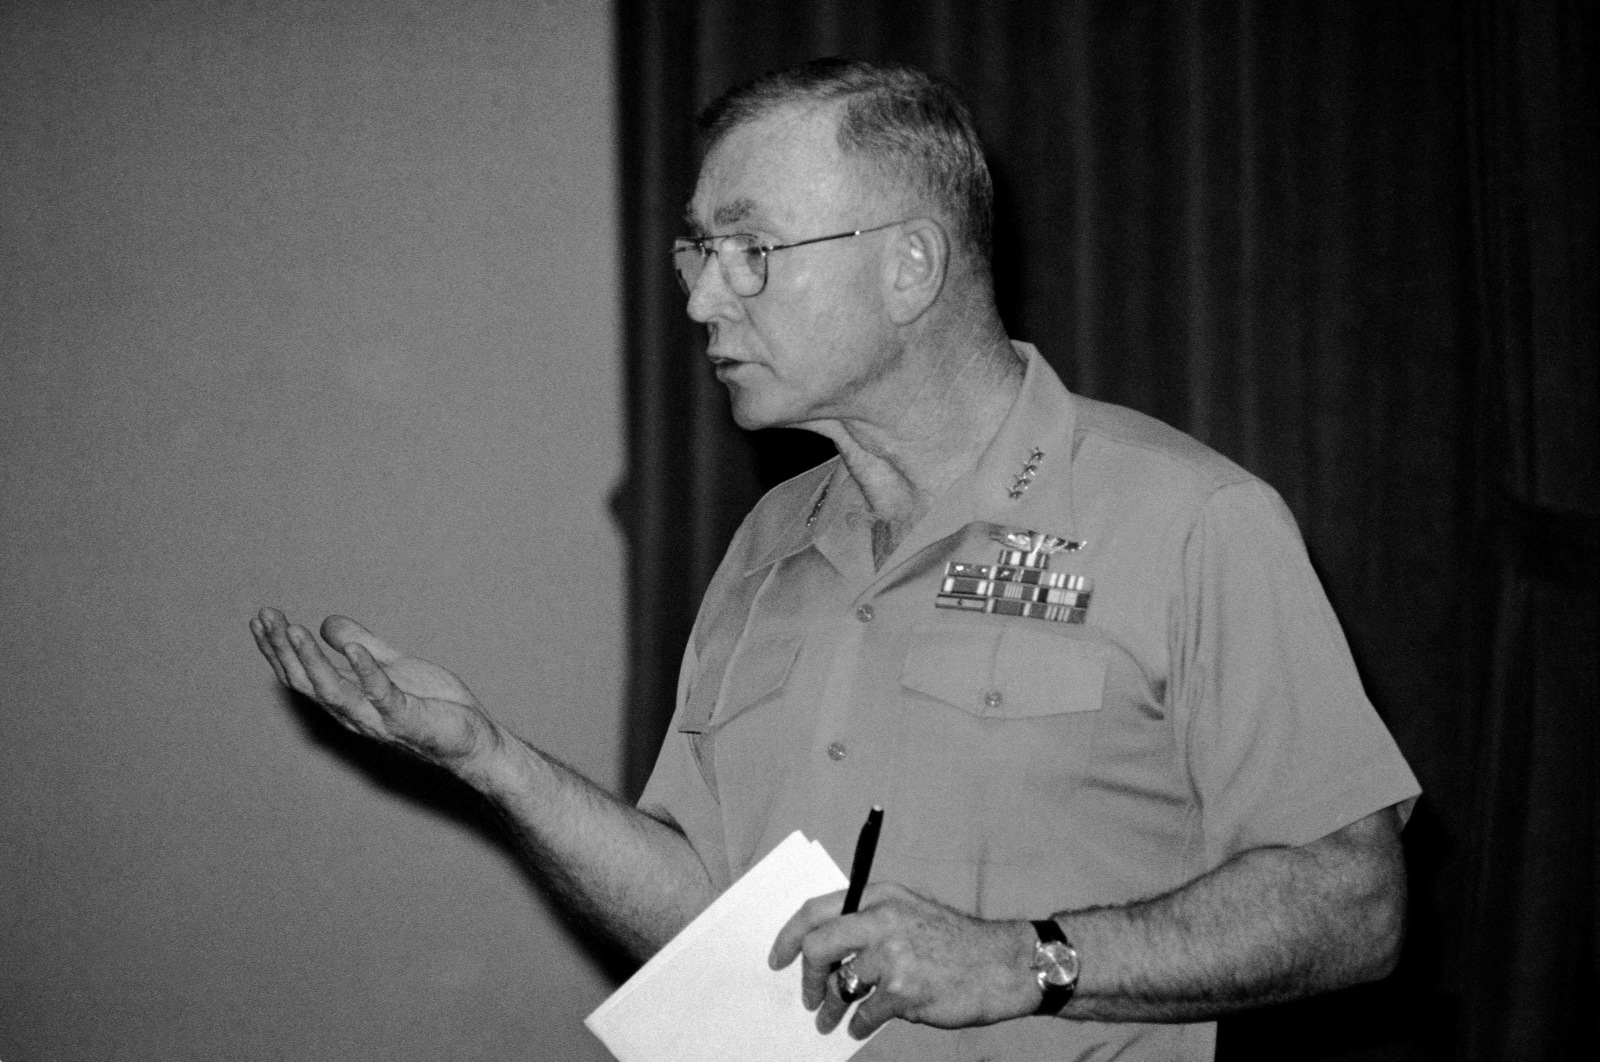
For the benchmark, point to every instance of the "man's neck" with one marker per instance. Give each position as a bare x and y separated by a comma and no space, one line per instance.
904,461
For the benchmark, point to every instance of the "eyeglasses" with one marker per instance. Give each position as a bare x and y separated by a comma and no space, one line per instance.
743,259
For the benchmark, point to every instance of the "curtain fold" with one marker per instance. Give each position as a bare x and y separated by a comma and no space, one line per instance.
1350,245
1534,888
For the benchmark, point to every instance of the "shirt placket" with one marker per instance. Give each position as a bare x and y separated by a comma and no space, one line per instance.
847,626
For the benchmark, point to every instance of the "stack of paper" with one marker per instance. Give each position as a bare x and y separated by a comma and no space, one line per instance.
709,996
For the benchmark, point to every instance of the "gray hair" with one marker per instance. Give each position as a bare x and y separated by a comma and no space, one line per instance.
909,125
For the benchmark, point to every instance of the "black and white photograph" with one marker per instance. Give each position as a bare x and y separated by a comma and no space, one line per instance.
806,531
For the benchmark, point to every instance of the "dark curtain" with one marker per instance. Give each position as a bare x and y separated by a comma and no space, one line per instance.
1353,247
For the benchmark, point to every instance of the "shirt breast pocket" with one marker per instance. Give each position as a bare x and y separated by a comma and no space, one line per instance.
758,672
754,674
1000,722
1006,670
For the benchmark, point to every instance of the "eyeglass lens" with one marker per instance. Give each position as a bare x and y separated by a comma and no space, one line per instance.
740,257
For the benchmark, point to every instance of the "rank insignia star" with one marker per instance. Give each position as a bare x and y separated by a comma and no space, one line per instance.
1024,479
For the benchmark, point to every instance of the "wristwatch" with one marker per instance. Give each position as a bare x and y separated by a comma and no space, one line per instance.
1055,964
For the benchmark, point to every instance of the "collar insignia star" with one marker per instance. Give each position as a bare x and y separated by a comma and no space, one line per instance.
1024,479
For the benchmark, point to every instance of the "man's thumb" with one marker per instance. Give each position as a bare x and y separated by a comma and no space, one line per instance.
340,631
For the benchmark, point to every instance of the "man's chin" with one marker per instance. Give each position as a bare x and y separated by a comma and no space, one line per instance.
751,414
752,420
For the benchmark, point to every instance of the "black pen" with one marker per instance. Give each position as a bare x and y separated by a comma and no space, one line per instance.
861,868
850,986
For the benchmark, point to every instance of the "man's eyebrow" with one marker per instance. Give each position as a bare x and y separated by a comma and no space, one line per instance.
732,213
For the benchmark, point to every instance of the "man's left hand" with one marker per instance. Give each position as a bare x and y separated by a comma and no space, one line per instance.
926,962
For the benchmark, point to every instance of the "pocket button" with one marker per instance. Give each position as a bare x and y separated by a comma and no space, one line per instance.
992,699
837,751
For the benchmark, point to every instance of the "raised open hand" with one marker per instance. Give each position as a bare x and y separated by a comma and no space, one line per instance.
378,691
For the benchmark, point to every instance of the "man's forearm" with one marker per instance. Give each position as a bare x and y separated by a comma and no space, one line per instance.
627,874
632,876
1273,924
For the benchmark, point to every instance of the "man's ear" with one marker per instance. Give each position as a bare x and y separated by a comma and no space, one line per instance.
918,266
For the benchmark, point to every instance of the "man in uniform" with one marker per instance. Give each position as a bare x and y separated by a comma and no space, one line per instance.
1132,780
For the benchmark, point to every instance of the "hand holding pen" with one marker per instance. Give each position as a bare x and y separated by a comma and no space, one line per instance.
850,986
919,960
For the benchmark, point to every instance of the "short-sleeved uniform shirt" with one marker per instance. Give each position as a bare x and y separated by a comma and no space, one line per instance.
1203,703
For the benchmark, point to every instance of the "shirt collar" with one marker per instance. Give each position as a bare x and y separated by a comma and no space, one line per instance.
1023,479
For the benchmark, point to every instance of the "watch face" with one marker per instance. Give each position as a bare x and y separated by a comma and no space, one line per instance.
1056,963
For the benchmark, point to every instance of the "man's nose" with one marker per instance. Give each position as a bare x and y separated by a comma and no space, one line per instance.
709,295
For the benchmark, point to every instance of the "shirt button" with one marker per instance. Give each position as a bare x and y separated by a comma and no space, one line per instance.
864,613
992,699
836,751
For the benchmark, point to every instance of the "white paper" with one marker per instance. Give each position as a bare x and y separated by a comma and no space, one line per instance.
709,996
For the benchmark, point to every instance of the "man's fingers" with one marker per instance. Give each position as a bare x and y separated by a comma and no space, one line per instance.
327,685
832,1009
835,1004
814,981
342,631
873,1012
258,631
812,913
825,949
374,680
285,654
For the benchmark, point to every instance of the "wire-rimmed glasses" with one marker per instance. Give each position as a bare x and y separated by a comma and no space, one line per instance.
743,257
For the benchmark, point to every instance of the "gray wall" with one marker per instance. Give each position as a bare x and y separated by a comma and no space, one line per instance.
312,304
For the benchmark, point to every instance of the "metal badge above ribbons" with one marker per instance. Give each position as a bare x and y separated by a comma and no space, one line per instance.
1021,583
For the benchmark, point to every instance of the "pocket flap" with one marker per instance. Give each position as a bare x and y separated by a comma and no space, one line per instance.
1009,672
952,664
759,669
